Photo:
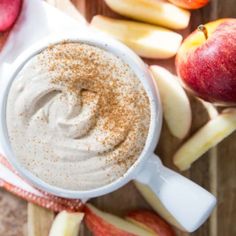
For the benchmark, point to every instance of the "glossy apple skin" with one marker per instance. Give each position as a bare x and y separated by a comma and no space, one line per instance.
190,4
209,70
152,221
100,227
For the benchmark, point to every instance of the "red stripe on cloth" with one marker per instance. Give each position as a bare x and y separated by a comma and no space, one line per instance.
44,199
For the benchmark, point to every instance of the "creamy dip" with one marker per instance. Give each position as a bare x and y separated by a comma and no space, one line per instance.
77,116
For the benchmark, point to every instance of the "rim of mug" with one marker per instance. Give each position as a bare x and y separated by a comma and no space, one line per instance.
140,69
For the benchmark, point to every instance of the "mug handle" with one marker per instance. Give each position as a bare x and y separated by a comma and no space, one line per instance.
188,203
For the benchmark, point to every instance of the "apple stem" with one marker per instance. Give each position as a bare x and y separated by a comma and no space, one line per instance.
203,29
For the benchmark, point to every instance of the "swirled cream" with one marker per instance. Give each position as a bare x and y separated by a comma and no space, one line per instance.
77,116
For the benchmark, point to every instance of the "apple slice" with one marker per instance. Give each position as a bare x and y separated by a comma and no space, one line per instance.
104,224
66,224
151,221
3,39
205,138
146,40
39,220
176,105
9,11
152,11
156,204
69,8
196,4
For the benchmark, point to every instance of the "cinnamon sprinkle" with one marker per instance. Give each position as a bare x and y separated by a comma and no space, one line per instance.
123,105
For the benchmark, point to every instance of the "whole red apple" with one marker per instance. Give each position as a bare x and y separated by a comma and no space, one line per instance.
9,12
206,62
190,4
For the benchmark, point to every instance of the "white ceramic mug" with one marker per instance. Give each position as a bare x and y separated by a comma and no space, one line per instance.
189,204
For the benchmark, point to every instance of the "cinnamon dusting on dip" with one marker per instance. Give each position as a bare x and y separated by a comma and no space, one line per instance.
77,116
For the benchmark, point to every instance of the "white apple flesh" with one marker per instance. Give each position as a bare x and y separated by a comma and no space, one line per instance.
66,224
150,220
146,40
176,105
156,204
205,138
152,11
104,224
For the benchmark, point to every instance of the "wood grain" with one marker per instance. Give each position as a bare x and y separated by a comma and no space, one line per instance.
216,170
13,215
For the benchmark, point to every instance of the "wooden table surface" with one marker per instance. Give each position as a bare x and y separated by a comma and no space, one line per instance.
215,171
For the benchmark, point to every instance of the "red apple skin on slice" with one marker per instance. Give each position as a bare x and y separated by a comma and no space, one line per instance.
189,4
150,220
100,227
3,39
207,64
176,106
9,12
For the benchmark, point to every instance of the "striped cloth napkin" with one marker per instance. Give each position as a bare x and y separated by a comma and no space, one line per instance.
37,21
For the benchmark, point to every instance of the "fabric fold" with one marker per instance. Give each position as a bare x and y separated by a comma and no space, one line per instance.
37,21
